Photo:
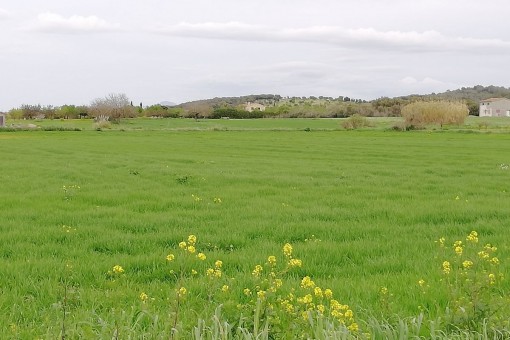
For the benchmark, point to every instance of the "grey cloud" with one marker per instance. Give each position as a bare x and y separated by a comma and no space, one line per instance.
432,41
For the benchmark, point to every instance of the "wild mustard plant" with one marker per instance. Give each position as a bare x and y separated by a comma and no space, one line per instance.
269,299
289,309
472,280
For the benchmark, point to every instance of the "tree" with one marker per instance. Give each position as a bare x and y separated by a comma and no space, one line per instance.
114,107
31,111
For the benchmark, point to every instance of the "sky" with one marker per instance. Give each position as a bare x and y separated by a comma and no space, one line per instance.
57,52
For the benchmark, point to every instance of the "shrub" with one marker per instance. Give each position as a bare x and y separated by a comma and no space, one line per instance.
355,122
437,112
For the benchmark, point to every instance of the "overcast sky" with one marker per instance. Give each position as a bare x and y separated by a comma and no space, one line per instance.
57,52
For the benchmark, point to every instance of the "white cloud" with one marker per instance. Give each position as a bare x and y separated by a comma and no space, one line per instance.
430,40
5,14
55,23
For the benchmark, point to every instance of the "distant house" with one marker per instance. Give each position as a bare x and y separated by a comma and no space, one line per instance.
495,107
254,107
3,117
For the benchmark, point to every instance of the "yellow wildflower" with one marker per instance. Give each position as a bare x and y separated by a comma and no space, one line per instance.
495,261
191,249
192,239
287,250
384,291
182,292
209,272
305,299
182,245
441,241
353,327
483,254
287,306
321,308
472,237
261,294
278,283
217,273
118,269
295,263
446,267
224,288
218,264
467,264
258,269
201,256
349,314
194,272
170,257
144,297
271,260
318,292
247,292
492,279
335,305
328,293
307,282
217,200
458,250
421,282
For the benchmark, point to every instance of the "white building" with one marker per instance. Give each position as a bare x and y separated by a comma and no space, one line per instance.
254,107
3,117
495,107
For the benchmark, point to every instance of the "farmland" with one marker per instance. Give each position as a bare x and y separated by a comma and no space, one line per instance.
363,211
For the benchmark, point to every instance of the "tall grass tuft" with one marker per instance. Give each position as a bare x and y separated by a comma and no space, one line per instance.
422,113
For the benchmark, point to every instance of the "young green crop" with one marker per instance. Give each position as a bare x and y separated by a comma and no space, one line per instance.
372,201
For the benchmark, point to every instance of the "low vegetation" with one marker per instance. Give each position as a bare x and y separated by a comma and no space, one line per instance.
267,230
420,114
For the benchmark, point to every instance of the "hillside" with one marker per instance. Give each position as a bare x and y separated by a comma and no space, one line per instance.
475,93
340,106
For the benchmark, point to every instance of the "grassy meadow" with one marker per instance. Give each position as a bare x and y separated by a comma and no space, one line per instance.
363,211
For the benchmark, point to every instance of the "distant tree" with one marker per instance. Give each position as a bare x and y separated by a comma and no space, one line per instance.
48,112
473,107
161,111
113,107
15,113
31,111
68,112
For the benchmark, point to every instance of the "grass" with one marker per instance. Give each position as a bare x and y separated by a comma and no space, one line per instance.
362,210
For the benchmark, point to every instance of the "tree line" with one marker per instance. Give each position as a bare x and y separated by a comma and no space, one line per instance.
116,106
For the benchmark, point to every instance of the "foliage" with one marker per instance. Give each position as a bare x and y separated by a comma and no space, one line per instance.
435,112
235,113
162,111
355,122
473,281
15,114
267,299
114,106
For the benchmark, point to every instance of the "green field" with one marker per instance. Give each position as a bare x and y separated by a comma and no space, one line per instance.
362,209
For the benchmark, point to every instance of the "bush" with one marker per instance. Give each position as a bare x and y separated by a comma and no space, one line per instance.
437,112
355,122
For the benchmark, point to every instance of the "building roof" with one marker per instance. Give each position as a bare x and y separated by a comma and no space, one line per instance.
493,99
